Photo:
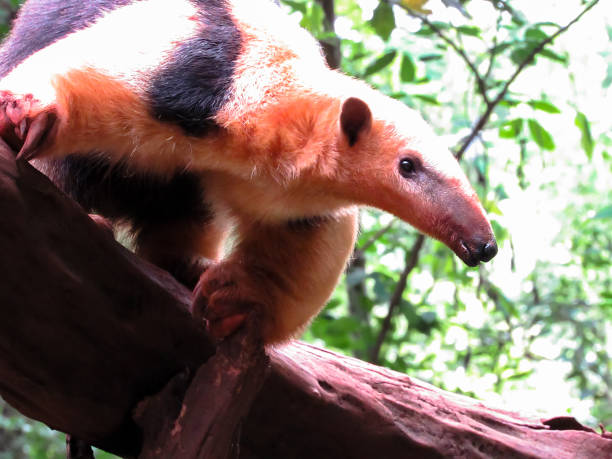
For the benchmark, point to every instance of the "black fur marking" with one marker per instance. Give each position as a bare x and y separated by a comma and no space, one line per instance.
116,192
191,88
147,203
43,22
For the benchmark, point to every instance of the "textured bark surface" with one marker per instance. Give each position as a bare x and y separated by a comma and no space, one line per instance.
203,419
319,404
86,329
99,344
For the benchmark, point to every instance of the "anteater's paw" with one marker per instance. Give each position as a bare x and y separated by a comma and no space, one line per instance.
223,299
25,123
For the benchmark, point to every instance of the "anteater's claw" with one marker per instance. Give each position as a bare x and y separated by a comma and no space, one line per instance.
25,124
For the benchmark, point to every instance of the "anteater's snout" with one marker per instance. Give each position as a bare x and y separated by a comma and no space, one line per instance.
488,250
474,253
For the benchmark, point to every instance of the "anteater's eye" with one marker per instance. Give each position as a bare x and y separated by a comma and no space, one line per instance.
406,167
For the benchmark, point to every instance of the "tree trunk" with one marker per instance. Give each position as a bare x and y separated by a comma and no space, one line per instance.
101,345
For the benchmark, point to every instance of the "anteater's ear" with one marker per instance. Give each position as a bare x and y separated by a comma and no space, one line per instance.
355,119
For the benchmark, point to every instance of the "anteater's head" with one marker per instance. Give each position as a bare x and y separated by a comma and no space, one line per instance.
391,159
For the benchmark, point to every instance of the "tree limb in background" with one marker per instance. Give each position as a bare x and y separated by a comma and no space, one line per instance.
482,121
331,44
481,81
482,86
412,259
359,251
11,10
413,256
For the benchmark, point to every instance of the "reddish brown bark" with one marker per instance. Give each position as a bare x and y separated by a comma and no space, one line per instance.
85,326
100,344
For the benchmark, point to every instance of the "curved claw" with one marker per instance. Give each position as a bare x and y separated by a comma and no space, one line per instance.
25,124
36,134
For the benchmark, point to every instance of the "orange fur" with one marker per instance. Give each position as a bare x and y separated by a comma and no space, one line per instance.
288,273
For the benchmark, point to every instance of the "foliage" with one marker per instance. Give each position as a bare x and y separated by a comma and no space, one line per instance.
519,98
507,92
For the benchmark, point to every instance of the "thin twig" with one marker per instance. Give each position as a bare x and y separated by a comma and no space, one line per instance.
493,51
487,114
412,259
504,7
377,235
482,87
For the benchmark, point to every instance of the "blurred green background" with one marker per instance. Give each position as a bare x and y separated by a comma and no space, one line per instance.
524,101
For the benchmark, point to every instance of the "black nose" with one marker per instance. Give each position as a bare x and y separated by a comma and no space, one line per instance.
488,250
472,254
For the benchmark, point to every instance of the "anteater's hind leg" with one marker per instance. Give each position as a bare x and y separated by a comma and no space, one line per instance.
184,248
172,224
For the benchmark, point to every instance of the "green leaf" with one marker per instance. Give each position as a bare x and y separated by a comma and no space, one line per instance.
407,70
297,6
312,20
469,30
430,57
520,375
500,192
544,106
492,208
518,18
511,129
540,135
507,102
606,212
554,56
424,31
586,139
383,20
481,164
426,98
608,80
535,35
380,63
519,54
500,48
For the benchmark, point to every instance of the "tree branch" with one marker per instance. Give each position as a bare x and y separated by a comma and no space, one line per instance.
482,86
502,5
11,11
412,259
482,121
493,51
330,45
359,251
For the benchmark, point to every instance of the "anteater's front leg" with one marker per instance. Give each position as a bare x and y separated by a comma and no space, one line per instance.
286,271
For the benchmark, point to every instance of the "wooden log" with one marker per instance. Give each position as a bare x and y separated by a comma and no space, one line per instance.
204,418
85,326
101,345
317,403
